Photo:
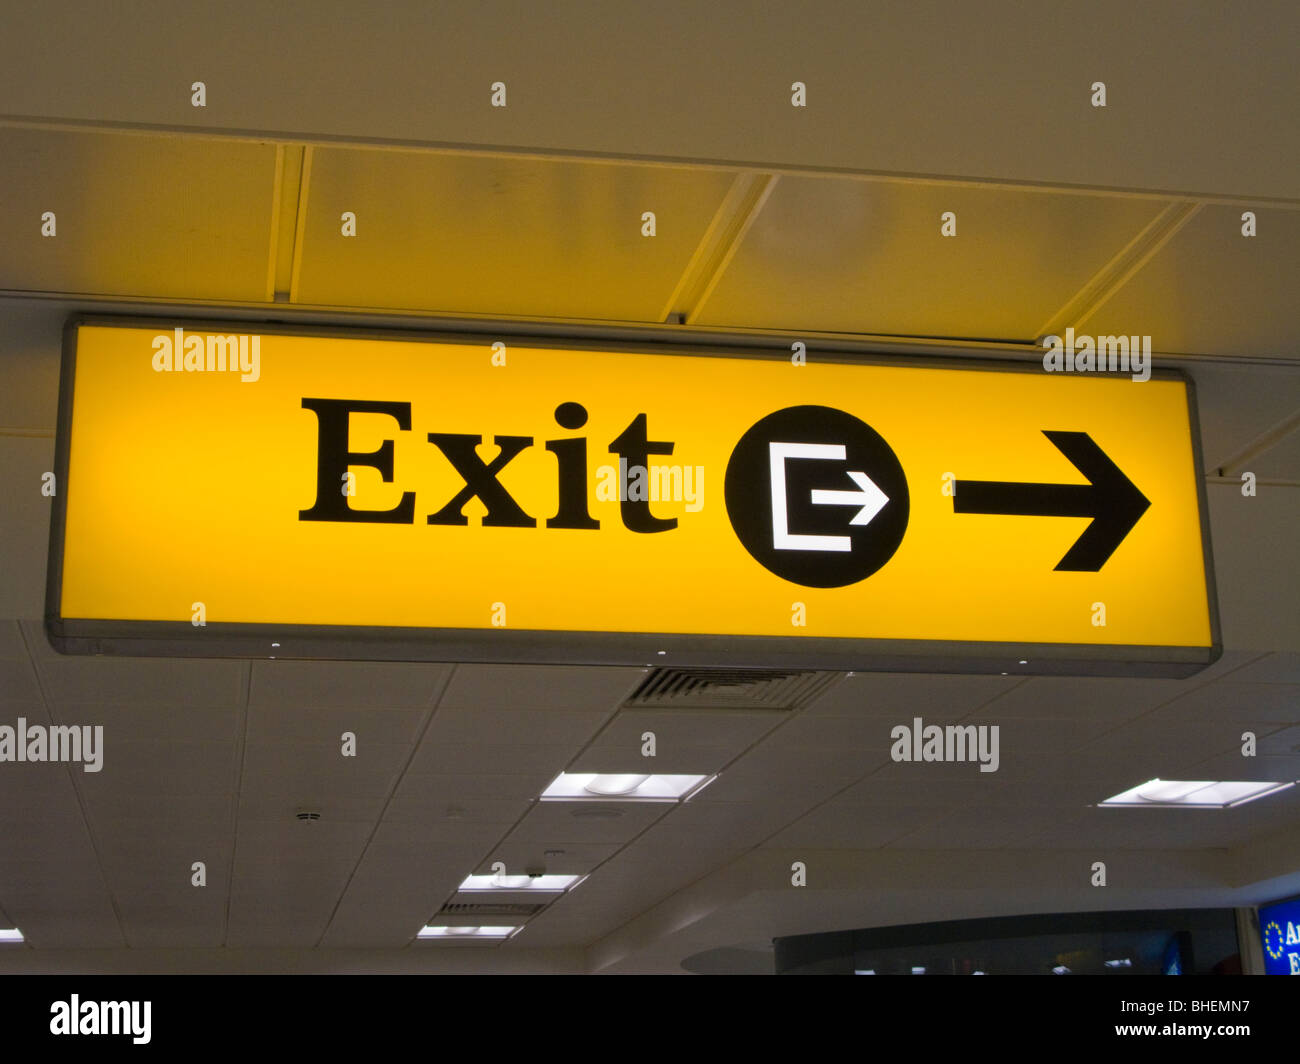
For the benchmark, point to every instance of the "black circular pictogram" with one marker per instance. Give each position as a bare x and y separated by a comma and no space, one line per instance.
828,466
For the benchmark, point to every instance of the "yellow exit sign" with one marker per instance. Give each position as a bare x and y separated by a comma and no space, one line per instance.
227,489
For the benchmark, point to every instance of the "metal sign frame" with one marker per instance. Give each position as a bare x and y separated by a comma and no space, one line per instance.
73,635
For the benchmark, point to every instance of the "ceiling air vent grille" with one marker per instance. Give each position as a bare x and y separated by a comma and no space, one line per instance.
491,908
729,689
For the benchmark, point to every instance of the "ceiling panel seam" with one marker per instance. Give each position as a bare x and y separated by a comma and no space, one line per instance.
1261,445
532,804
300,223
277,198
435,700
48,703
1120,269
286,221
735,214
241,748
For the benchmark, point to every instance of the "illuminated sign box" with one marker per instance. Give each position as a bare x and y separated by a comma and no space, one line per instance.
228,489
1279,930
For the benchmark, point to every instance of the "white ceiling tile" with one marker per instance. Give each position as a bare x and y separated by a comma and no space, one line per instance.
155,681
1280,741
177,807
577,858
682,728
269,840
902,696
334,809
1209,291
313,877
25,529
1232,766
719,825
136,870
516,727
1280,462
541,763
298,724
160,768
773,757
12,647
18,683
475,810
1255,572
1232,703
276,930
918,792
562,823
400,864
179,217
869,733
852,256
41,841
741,785
38,644
923,773
144,722
454,788
36,796
185,917
1159,748
376,923
672,759
540,687
982,829
312,773
310,685
1235,408
434,837
62,922
1083,698
1272,668
557,238
126,836
827,828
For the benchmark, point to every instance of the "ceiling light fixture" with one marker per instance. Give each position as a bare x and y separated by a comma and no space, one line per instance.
623,787
440,931
10,934
544,884
616,783
1193,794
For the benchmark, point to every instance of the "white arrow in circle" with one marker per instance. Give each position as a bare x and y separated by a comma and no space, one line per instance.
870,498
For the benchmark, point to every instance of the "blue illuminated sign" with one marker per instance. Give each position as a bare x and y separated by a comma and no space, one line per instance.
1279,928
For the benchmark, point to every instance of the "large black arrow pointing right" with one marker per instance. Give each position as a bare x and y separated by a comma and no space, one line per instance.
1109,498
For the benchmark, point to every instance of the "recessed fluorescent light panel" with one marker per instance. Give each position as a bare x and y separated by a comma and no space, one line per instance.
467,932
546,884
623,787
10,934
1194,794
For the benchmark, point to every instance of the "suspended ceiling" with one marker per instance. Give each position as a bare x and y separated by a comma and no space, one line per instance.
822,226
